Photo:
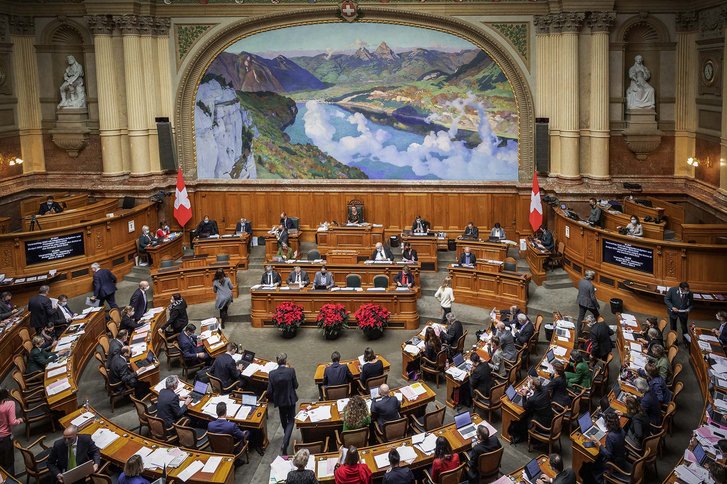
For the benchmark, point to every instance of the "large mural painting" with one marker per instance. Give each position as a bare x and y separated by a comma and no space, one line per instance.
361,101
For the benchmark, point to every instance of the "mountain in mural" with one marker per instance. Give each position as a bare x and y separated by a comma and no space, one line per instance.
482,70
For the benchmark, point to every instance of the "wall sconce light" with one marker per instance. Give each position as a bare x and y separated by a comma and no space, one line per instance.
10,160
695,162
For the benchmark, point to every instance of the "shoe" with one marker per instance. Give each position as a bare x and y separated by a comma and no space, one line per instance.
260,451
283,452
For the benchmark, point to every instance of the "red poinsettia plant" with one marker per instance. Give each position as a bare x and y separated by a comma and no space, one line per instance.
332,317
288,316
372,316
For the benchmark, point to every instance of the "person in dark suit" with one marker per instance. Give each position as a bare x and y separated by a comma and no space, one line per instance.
244,226
139,301
546,238
404,278
420,226
207,227
145,239
372,366
596,214
41,309
558,386
481,376
286,221
586,298
225,368
224,426
7,308
409,254
104,285
381,252
50,206
192,351
336,373
467,258
471,232
537,408
71,451
679,301
613,451
562,476
128,321
120,372
38,358
485,443
386,407
270,277
282,384
280,233
454,331
526,331
168,408
323,278
115,345
354,216
396,474
600,336
298,277
721,332
63,314
177,319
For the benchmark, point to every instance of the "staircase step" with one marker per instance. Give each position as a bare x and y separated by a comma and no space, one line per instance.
557,284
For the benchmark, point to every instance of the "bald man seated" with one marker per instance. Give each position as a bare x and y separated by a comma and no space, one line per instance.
386,407
381,253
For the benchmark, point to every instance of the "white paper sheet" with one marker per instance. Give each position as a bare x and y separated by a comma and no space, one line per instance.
411,349
193,467
407,454
57,371
382,460
82,419
104,437
251,369
341,404
211,465
326,468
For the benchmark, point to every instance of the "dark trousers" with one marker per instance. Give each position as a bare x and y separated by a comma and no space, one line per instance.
223,314
111,299
682,317
446,312
7,454
582,314
141,389
287,420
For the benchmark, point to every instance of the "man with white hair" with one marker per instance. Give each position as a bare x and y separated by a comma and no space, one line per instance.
104,286
526,331
382,253
168,408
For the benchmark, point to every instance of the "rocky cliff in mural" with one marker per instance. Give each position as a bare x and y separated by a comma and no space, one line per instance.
224,133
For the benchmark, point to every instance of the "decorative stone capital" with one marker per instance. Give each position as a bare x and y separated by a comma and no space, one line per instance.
601,21
4,29
542,24
161,26
100,24
21,25
686,21
572,21
128,24
146,24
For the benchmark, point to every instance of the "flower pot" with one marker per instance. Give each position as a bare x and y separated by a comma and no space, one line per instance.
373,333
290,332
332,334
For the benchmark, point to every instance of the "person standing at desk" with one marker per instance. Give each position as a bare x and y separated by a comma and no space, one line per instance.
298,277
467,258
323,279
679,301
222,286
286,222
270,277
420,226
354,216
445,296
41,309
381,253
454,331
471,232
243,226
138,300
104,286
586,299
408,254
497,232
596,214
206,228
50,206
178,318
404,278
280,233
282,384
71,451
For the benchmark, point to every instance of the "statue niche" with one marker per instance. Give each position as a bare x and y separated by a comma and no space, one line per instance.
73,93
642,134
640,94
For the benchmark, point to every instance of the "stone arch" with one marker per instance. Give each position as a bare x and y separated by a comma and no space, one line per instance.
640,29
208,48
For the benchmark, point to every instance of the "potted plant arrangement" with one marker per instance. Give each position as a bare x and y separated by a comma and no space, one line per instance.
332,318
372,319
287,318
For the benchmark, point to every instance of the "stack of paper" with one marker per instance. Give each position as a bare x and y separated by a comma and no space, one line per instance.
269,366
55,364
212,463
320,413
82,419
279,469
408,393
104,437
251,369
411,349
382,460
341,404
57,371
427,445
407,454
456,373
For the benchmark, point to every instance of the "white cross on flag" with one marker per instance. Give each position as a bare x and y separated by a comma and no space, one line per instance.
536,206
182,205
349,10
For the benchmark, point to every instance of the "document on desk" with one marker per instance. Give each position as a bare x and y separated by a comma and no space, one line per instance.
213,340
382,460
407,454
251,369
55,364
243,412
58,386
559,351
269,366
629,336
194,467
411,349
635,346
279,469
341,404
104,437
709,338
82,419
326,467
57,371
456,373
408,393
428,444
320,413
211,465
489,427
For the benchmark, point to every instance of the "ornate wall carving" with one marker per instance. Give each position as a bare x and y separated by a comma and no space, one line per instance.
185,36
518,34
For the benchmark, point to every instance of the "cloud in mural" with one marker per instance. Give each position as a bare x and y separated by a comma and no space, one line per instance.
439,154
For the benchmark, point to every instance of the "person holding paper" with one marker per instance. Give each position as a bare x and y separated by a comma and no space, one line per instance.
104,285
168,408
192,351
396,474
301,475
526,330
71,451
372,366
139,301
282,386
7,422
177,319
350,470
222,286
224,426
408,254
546,238
132,471
386,407
270,277
679,301
38,358
497,359
454,331
120,372
41,309
298,277
128,322
485,443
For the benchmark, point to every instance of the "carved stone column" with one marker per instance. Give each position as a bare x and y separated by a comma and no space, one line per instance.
27,88
554,83
542,64
600,24
161,32
685,112
108,101
135,94
569,104
723,136
151,77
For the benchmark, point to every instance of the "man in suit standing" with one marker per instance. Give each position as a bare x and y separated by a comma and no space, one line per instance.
139,301
270,277
679,301
323,278
41,309
50,206
587,298
381,252
336,373
409,254
119,372
192,351
243,226
168,408
298,277
286,222
467,258
385,408
404,278
562,476
600,336
224,426
526,331
420,226
71,451
104,285
225,367
485,443
454,330
471,232
282,384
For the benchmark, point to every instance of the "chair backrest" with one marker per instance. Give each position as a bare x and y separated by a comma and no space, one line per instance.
460,343
652,442
157,429
561,247
103,341
295,222
678,387
113,328
662,325
639,466
575,404
18,377
28,456
442,359
115,315
671,338
141,410
215,383
18,397
377,381
538,323
105,375
496,393
509,264
512,376
187,437
671,407
358,437
381,280
24,335
672,353
557,425
27,346
453,476
435,418
336,392
19,362
313,447
678,367
395,429
221,443
99,357
100,479
488,463
353,280
314,254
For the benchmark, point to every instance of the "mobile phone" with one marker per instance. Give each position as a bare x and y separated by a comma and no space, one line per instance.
588,444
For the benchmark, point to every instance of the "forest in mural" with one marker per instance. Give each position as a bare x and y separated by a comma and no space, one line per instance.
361,101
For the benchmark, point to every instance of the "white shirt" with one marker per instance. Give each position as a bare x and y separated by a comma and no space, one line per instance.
380,255
445,296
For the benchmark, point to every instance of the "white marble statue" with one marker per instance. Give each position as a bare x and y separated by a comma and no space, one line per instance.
640,94
73,93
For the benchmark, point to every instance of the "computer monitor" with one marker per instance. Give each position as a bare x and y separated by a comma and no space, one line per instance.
585,422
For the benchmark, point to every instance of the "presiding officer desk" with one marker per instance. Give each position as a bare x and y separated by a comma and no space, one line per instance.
482,249
126,443
31,206
486,289
167,249
234,246
426,247
401,303
72,216
361,238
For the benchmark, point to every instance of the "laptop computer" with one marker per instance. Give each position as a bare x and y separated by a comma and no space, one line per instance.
247,357
249,400
513,395
199,390
149,360
458,361
464,424
320,287
493,238
588,429
700,455
78,473
532,471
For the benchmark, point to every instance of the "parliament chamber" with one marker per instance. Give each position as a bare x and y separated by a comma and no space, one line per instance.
377,242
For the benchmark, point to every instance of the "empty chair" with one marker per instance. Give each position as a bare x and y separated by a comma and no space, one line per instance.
225,444
391,430
509,264
431,420
546,435
314,255
142,411
490,404
372,382
313,447
381,280
353,280
113,328
32,413
36,465
170,348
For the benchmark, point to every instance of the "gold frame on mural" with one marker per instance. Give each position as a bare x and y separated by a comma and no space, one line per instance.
220,39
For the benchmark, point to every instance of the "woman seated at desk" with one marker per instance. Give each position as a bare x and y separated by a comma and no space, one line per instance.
633,228
354,216
497,232
127,320
613,451
356,414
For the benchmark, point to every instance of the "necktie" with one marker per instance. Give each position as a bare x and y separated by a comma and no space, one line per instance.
71,458
270,278
297,279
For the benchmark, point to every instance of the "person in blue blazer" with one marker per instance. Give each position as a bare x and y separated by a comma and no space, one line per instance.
132,471
192,351
224,426
104,285
139,300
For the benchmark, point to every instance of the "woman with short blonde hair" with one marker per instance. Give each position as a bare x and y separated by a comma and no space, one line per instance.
301,475
132,471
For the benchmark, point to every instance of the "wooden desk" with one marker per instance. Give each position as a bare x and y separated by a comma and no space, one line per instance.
362,239
271,244
487,289
544,464
632,208
537,257
192,280
234,246
612,220
341,256
73,216
402,304
353,365
406,357
482,249
10,340
31,206
129,443
168,249
216,349
426,247
4,225
453,385
703,233
340,271
80,352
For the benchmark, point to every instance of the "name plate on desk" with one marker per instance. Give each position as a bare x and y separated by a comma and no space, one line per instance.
628,256
54,248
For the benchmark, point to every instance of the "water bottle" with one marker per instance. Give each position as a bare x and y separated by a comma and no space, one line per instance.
86,406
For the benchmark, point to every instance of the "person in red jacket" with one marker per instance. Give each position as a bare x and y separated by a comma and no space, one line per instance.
349,470
444,460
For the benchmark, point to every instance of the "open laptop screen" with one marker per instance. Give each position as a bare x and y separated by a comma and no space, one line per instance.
200,387
585,422
462,420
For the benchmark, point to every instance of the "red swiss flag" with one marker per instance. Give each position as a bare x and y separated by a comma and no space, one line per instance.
182,205
536,206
